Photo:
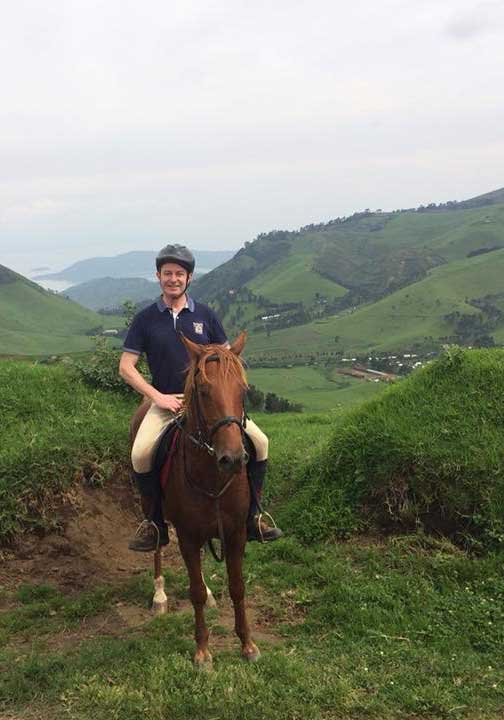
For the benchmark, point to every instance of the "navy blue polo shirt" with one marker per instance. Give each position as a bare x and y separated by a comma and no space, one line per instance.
154,333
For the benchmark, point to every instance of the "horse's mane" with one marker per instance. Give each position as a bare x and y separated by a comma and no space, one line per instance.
228,365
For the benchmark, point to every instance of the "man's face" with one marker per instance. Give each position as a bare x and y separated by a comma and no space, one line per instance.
173,279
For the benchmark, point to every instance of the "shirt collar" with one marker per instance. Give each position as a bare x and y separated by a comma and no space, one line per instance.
162,305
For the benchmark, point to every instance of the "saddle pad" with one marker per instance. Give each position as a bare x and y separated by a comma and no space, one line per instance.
164,444
165,470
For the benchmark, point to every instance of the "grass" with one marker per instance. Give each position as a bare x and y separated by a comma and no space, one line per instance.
399,630
42,610
293,280
398,321
37,322
425,454
405,627
54,430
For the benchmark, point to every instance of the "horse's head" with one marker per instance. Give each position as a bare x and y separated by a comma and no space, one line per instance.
214,392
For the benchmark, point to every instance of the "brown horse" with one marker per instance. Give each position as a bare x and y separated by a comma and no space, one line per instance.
207,494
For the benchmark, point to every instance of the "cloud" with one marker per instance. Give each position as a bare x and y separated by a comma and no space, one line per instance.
124,125
482,19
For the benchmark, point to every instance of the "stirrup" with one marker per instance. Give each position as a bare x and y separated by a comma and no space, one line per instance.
255,531
145,524
260,516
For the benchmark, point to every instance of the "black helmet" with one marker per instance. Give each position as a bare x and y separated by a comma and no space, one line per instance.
178,254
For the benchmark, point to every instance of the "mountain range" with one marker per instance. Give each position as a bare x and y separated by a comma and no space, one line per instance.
374,281
140,264
110,293
371,281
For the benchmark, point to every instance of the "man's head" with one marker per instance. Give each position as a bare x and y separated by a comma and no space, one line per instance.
175,267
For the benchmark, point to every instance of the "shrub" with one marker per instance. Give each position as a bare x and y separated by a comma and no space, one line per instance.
101,368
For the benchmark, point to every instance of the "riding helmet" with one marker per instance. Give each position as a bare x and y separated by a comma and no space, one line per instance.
178,254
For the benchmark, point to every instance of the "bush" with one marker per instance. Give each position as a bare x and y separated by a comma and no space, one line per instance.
101,369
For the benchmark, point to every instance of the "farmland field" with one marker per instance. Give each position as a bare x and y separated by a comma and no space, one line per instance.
310,387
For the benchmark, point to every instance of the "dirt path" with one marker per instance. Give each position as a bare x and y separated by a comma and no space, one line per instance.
92,546
91,550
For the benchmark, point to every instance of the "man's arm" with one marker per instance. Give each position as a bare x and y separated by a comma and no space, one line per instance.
129,373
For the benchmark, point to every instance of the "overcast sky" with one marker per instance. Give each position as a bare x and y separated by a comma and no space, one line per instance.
127,125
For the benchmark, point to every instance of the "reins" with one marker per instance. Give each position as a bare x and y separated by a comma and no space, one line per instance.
203,440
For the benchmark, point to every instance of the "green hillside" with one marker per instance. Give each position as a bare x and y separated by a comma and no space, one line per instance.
109,293
410,315
428,452
34,321
372,280
294,280
369,253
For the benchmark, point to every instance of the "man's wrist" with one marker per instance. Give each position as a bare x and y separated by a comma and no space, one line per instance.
154,395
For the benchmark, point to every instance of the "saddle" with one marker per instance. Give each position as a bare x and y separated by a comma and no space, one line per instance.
168,443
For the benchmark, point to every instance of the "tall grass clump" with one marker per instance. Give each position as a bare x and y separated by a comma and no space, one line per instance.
428,455
54,430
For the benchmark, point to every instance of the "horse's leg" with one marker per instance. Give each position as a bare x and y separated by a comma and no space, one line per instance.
191,553
234,560
210,600
160,601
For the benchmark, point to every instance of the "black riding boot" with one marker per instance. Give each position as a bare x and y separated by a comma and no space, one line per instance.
257,529
152,532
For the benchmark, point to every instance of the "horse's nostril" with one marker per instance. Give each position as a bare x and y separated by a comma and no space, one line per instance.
225,460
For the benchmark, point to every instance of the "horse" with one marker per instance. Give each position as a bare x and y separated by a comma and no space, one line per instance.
207,494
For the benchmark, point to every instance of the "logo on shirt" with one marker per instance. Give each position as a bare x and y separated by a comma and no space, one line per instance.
198,328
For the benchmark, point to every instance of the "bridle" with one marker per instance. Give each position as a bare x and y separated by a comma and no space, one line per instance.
204,435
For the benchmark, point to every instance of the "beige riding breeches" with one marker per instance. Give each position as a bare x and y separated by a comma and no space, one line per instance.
153,425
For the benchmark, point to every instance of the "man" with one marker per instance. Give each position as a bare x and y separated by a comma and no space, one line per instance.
155,332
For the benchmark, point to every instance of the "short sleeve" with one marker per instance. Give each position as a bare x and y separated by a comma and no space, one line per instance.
135,339
217,333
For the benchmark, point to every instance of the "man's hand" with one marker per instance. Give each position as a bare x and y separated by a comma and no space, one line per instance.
175,403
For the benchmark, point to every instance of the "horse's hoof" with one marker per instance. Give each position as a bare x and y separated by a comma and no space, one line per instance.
203,661
251,654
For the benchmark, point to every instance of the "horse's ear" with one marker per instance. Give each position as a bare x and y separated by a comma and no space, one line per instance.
239,343
194,350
